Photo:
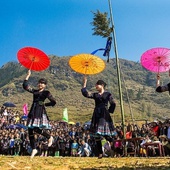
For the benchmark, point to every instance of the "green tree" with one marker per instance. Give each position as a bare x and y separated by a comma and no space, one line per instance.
101,24
143,107
149,110
139,95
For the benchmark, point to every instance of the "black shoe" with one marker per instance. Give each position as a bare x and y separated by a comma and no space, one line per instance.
100,156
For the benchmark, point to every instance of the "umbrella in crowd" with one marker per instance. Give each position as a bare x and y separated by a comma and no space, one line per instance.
71,123
87,64
9,104
156,60
16,126
33,58
87,125
13,127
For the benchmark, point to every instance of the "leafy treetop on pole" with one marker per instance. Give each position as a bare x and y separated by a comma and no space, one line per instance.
101,24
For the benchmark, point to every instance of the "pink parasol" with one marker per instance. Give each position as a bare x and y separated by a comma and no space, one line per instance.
156,60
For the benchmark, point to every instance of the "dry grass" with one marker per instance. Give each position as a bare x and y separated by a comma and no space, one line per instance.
76,163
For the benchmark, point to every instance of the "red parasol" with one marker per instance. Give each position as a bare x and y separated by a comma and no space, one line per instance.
33,58
156,60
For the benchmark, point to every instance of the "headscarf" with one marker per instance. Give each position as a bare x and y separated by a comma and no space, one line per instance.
42,80
101,82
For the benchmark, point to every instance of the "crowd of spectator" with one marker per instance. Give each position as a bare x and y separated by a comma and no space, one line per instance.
75,140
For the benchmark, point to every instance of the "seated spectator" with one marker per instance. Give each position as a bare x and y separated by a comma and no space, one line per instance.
130,147
143,148
155,150
118,147
44,146
85,149
166,144
107,149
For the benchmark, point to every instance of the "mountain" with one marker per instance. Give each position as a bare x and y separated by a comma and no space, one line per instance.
140,101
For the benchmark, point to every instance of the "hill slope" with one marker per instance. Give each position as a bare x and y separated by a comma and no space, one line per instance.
138,88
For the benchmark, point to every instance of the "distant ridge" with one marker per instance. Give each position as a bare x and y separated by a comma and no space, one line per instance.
138,88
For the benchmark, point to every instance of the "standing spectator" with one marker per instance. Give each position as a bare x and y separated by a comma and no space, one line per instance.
38,120
168,131
155,128
18,143
5,145
26,146
73,133
62,143
74,148
22,137
101,123
136,132
68,146
12,145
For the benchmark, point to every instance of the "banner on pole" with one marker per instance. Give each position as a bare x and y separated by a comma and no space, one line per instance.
25,109
65,115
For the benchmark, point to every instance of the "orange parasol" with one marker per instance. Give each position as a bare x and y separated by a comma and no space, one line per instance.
87,64
33,58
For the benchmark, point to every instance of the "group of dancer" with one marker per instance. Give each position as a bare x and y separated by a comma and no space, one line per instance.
101,122
38,121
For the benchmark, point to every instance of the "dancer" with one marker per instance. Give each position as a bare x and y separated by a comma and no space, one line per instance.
101,123
37,120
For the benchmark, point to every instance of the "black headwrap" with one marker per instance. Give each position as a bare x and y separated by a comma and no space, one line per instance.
101,82
42,80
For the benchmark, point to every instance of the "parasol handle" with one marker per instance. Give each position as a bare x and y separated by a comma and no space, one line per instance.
158,80
31,65
33,59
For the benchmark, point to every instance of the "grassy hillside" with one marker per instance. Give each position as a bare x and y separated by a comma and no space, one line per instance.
138,88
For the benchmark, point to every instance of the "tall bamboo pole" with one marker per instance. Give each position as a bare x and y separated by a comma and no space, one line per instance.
118,68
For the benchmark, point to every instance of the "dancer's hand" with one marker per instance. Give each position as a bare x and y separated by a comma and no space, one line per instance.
28,75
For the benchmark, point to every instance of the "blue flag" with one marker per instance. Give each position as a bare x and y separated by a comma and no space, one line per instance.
106,49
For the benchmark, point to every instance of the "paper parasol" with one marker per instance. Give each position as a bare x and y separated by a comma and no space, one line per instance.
156,60
87,64
33,58
9,104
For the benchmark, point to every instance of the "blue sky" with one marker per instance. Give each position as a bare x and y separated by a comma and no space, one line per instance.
62,27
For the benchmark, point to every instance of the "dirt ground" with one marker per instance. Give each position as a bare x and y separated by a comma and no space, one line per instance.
80,163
